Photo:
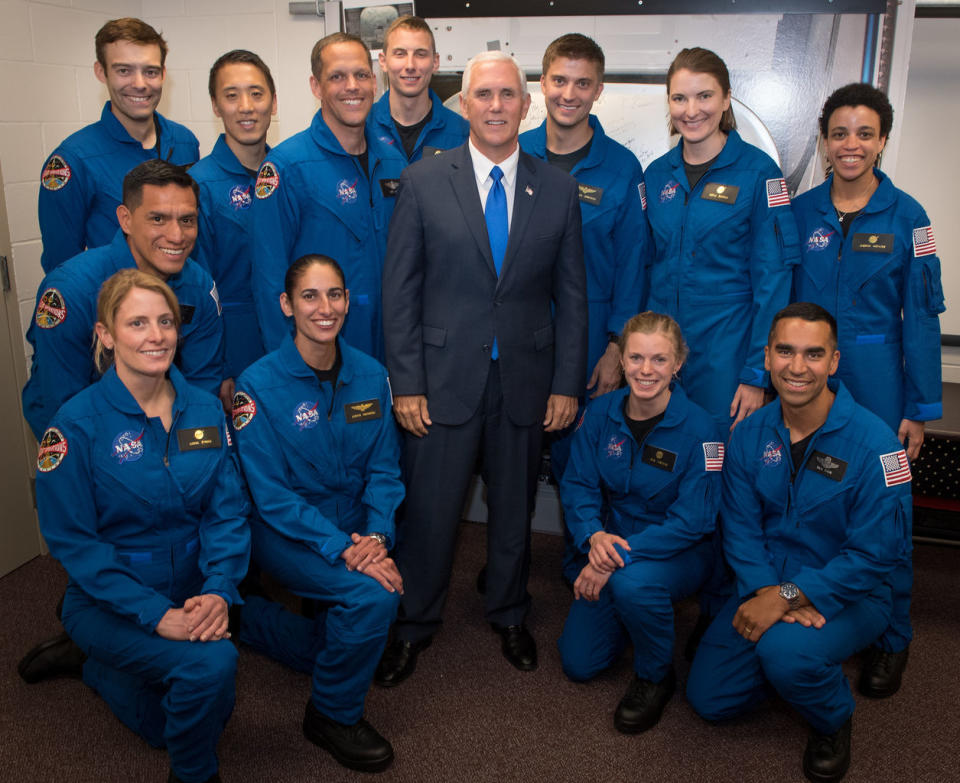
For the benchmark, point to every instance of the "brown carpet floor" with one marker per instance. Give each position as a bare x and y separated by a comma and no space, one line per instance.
466,715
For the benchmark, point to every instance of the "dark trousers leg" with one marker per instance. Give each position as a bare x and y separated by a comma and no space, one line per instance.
437,470
511,456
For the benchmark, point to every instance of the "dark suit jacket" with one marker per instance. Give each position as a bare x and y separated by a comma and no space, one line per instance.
443,303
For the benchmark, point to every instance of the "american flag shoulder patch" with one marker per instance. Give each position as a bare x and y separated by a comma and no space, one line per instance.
642,190
923,242
713,456
777,195
896,468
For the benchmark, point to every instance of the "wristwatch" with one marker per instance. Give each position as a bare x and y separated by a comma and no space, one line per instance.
380,538
790,593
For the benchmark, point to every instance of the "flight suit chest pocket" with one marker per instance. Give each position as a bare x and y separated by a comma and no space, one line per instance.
657,486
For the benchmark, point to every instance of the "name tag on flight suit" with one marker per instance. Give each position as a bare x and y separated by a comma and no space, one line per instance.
873,243
362,411
725,194
193,438
389,187
828,466
186,313
659,458
590,193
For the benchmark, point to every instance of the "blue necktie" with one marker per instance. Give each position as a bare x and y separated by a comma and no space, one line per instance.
497,228
496,216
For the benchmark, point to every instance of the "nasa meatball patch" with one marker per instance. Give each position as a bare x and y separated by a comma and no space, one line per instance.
240,197
268,180
51,309
127,446
305,415
53,448
56,173
244,409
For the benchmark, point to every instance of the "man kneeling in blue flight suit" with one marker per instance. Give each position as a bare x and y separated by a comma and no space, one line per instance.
816,513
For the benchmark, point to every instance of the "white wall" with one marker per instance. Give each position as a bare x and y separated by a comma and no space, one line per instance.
47,90
929,166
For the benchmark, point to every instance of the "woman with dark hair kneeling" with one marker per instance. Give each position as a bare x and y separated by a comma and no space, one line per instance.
320,452
141,502
655,458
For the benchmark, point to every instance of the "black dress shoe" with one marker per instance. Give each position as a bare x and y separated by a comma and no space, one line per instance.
642,705
358,746
518,646
882,672
398,661
56,657
827,757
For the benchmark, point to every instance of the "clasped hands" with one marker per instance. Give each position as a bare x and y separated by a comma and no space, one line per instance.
368,556
756,615
203,618
603,560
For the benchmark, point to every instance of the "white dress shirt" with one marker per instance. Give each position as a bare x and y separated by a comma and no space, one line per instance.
481,170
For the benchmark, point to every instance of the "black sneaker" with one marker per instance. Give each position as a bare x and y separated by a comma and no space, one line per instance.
827,757
642,705
882,672
357,747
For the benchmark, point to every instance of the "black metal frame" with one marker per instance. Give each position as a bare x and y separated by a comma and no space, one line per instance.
484,8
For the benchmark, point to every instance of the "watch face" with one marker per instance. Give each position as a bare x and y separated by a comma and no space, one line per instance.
789,591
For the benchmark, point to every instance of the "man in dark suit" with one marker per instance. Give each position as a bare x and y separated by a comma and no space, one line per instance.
485,322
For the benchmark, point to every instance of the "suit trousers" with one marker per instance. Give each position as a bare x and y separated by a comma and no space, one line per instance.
437,472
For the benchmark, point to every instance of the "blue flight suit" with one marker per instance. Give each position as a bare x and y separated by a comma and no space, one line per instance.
81,184
662,496
882,284
61,331
616,238
885,295
724,257
445,130
321,464
225,248
143,519
837,531
312,197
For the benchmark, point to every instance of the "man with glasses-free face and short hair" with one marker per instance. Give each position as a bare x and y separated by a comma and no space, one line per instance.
244,97
616,237
410,115
816,513
329,189
158,228
80,184
485,325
